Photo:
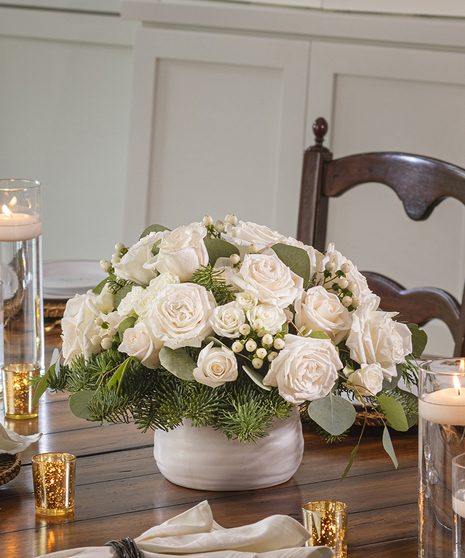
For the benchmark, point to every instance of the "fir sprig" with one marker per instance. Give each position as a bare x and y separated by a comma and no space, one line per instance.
213,281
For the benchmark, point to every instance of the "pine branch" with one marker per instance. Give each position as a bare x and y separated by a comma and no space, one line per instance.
212,280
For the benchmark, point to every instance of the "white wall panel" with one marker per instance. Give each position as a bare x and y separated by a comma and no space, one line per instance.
386,99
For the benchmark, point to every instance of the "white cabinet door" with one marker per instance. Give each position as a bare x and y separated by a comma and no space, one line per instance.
394,99
217,127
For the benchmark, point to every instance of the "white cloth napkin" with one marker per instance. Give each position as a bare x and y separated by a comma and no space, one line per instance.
11,442
195,533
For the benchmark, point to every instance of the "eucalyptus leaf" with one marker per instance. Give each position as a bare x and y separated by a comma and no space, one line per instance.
255,377
388,447
153,228
43,385
126,324
99,288
392,383
318,335
178,362
117,378
216,342
419,340
351,461
218,248
333,413
78,403
394,412
121,294
295,258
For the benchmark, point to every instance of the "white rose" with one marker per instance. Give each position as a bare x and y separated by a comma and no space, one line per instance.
320,310
247,300
368,379
361,290
247,233
138,342
131,266
376,338
215,366
227,319
105,300
78,327
161,281
180,315
272,317
143,303
126,306
306,369
181,252
268,279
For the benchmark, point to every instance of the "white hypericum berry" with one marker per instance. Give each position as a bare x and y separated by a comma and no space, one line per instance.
107,343
352,286
105,265
347,301
267,339
219,226
261,353
230,219
272,356
343,283
237,347
253,248
279,343
257,362
330,266
120,246
234,259
244,329
99,320
96,340
345,267
116,258
258,324
251,345
208,221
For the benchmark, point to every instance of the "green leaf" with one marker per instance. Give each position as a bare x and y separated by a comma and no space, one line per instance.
54,368
318,335
394,412
392,383
333,413
419,340
121,294
98,289
218,248
126,324
295,258
78,403
178,362
117,378
351,461
388,447
153,228
216,342
255,377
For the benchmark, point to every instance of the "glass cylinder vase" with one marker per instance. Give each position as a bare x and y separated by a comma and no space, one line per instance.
441,410
21,273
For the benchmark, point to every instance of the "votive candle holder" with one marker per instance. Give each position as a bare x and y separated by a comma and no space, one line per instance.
54,477
326,521
18,391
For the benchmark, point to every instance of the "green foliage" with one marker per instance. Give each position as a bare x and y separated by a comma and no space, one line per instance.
296,259
213,281
332,413
329,438
153,228
394,412
218,248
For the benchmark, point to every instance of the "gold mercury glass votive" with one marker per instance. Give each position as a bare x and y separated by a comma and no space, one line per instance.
18,392
326,521
54,476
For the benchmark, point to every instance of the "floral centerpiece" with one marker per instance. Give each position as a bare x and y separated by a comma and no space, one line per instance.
232,325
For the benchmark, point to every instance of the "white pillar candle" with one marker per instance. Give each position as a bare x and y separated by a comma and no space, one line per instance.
458,503
445,406
19,226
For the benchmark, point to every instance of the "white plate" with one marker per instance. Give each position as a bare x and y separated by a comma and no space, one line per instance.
66,278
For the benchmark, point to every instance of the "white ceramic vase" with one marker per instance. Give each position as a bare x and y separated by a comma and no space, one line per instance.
203,459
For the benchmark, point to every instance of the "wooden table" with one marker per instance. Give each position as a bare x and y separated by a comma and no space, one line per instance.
120,493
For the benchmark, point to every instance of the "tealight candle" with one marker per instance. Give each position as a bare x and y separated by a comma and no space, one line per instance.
326,522
18,392
54,477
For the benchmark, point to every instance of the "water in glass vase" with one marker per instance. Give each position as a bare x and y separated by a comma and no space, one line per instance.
21,274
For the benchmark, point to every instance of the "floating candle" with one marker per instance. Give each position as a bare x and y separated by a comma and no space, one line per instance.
444,406
18,226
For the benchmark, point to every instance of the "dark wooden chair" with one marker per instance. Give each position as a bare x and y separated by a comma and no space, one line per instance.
421,183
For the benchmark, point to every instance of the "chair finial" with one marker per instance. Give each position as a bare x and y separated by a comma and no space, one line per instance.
320,127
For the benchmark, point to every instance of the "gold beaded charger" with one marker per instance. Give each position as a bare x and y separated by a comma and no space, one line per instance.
10,465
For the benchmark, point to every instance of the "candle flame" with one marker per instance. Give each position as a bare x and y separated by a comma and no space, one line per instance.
457,384
13,201
6,211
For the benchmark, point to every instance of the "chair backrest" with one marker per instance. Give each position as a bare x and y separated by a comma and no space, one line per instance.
421,183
